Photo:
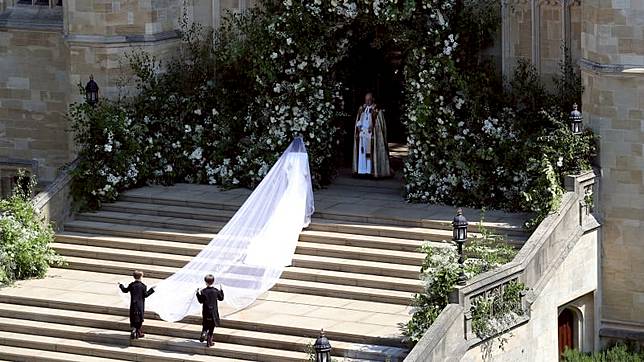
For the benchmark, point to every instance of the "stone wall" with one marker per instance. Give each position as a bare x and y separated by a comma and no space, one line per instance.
121,17
537,30
614,107
613,76
46,53
34,88
108,63
574,281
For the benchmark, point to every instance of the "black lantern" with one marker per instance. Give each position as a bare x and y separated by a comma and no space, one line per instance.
459,226
575,120
322,348
91,91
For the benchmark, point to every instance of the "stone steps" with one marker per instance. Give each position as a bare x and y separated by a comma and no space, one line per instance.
371,253
236,322
212,219
190,224
203,203
354,273
325,237
284,285
177,337
108,326
338,263
85,341
29,354
168,263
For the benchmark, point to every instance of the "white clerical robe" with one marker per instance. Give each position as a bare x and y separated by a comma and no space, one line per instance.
364,147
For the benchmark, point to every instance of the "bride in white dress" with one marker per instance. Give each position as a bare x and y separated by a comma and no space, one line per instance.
248,255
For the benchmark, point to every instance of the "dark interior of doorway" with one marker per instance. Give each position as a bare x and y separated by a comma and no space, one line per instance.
376,68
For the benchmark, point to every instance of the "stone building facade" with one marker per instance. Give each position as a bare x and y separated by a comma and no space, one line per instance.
49,47
606,40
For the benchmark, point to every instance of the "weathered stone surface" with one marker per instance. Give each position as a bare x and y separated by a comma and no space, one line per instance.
34,80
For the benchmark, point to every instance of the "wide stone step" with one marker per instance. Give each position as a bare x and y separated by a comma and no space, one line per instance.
413,285
301,261
155,328
231,322
433,218
86,341
204,226
191,249
321,237
29,354
233,206
284,285
365,241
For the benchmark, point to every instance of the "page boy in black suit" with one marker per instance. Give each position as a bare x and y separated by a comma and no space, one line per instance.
209,296
138,292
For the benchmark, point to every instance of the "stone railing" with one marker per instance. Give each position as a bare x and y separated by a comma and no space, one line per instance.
533,266
443,341
55,202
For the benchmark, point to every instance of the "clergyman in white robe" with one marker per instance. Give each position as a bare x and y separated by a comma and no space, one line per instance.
370,149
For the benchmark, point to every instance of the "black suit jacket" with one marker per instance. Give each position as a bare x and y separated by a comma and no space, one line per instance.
209,297
138,292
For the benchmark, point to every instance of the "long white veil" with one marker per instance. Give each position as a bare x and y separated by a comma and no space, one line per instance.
249,254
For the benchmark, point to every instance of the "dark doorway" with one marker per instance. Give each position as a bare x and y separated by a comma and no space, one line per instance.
566,329
372,67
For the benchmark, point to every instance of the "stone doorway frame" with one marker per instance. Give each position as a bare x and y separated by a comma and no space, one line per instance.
584,321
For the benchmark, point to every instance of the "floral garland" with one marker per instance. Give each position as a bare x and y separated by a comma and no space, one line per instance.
280,60
224,113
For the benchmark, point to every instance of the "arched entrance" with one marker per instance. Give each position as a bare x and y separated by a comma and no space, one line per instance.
373,65
567,330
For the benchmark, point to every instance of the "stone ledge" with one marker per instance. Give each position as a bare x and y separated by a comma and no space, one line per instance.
116,39
621,330
612,69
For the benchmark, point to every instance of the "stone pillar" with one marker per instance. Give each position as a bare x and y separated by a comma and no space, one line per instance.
613,105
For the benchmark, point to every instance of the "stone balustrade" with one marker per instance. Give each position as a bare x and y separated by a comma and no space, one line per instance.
55,202
533,266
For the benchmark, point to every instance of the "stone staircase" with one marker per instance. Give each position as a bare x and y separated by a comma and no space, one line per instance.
353,275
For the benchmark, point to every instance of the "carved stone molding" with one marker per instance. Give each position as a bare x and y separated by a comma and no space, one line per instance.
541,3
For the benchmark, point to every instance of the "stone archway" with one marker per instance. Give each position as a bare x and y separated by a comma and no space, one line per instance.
373,64
569,329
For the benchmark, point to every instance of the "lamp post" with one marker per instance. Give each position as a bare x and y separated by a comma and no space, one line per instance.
459,226
322,348
91,91
575,120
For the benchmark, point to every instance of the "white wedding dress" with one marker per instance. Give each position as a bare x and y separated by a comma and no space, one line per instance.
364,126
248,255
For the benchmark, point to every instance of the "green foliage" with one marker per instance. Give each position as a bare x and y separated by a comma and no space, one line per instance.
440,271
617,353
510,150
494,313
224,108
25,250
109,151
